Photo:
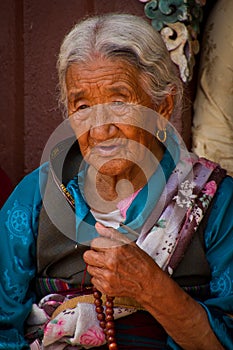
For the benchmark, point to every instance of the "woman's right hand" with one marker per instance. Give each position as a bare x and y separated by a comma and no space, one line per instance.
117,265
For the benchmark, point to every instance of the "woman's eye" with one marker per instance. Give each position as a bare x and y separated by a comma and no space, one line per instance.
82,112
118,102
117,105
120,108
82,107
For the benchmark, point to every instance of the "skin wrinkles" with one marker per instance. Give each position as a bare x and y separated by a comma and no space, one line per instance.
116,82
118,267
101,84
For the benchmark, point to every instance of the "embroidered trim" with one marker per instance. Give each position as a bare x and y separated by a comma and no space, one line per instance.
47,285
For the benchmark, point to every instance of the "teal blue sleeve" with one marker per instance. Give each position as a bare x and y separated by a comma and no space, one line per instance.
18,230
219,245
219,253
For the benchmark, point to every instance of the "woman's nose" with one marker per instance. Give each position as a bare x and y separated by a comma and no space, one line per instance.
104,131
100,126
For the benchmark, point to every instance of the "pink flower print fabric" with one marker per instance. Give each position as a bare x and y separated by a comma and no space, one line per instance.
94,336
210,188
77,327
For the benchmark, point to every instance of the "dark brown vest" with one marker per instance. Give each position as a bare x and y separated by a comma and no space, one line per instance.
59,257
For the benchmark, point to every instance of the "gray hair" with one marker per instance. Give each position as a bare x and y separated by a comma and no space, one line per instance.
127,37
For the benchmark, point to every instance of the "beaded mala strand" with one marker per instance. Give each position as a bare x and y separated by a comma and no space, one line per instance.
106,320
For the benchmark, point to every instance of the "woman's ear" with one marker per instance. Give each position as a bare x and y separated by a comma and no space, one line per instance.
165,109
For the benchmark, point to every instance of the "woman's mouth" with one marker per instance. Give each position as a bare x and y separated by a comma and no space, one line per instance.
107,150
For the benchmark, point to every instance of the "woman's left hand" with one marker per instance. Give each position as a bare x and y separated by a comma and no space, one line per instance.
117,265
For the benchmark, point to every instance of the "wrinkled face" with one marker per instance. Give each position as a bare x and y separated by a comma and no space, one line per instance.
110,145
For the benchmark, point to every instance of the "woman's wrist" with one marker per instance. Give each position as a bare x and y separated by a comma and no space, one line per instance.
184,319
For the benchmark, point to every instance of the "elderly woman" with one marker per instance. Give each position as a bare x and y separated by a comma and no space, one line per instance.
131,246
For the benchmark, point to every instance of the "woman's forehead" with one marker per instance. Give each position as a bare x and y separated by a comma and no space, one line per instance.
111,71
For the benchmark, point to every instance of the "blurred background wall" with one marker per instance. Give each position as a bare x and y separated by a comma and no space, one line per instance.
31,32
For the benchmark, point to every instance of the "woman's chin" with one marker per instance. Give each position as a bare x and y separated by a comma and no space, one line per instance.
114,167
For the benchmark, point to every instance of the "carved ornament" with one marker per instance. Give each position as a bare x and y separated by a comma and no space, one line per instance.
178,21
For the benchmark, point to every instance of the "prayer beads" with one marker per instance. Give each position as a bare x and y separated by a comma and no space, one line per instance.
106,320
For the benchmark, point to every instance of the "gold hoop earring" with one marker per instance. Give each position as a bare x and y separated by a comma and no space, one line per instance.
164,136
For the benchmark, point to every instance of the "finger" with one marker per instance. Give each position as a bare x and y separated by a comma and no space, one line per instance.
92,258
96,272
103,244
102,286
112,234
